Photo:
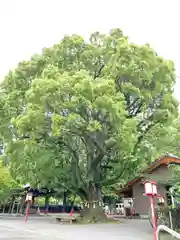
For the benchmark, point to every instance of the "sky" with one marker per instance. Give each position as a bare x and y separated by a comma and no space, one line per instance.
26,26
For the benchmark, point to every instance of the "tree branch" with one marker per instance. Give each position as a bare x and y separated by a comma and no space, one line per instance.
97,160
134,107
141,137
116,178
98,73
76,169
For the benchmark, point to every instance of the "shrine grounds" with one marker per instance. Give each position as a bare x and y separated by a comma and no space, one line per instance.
43,228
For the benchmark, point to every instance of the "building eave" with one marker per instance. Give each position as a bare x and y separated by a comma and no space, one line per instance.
163,160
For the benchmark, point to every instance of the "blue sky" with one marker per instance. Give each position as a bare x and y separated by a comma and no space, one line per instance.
27,26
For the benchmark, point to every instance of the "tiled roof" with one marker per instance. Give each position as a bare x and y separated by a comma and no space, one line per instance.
163,160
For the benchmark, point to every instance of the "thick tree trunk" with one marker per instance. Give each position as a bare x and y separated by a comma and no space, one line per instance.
13,206
47,203
64,199
18,208
4,207
93,207
33,201
22,204
9,210
94,213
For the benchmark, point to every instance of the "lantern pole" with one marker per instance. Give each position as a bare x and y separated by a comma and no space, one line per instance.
28,201
131,207
153,216
131,211
151,191
27,211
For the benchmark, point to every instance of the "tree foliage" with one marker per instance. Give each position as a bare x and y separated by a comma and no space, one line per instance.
174,145
86,115
6,183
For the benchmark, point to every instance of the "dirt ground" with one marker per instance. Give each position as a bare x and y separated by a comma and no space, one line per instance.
49,228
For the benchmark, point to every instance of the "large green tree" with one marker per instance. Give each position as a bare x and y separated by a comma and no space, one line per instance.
86,115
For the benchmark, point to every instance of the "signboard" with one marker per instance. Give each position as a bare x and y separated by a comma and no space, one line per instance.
128,202
29,196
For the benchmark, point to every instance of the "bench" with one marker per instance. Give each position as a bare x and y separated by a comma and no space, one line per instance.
65,219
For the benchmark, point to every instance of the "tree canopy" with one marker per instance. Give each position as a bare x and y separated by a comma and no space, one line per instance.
86,115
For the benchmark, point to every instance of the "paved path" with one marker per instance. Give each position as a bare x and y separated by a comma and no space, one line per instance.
46,229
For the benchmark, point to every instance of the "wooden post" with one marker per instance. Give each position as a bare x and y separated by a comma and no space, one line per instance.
13,205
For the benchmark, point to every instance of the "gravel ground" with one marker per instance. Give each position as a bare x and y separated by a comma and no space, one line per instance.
47,228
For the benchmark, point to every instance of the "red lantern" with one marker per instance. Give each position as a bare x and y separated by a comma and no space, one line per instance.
150,188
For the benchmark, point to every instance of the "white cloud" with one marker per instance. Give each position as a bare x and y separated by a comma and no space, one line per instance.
28,25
